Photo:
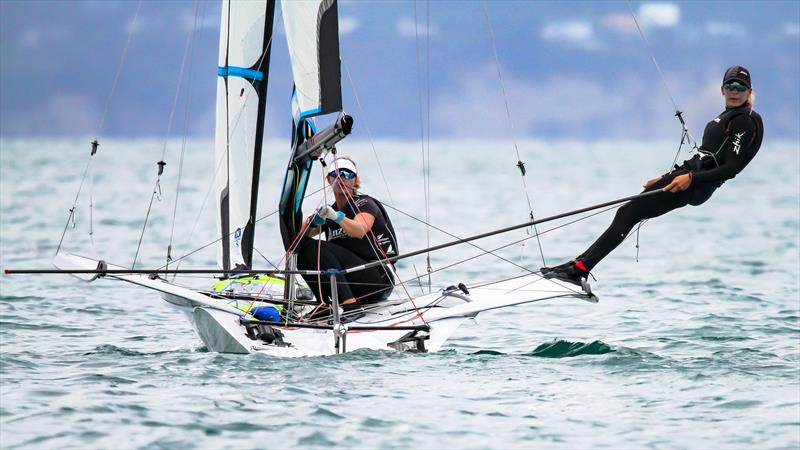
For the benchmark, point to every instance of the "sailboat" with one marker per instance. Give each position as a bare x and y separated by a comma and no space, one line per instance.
252,311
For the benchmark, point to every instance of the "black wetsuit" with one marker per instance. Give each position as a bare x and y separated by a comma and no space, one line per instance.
730,142
340,251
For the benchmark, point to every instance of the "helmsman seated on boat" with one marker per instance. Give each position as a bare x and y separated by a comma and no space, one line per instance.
357,230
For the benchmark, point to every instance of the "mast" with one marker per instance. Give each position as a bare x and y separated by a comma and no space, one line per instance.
312,34
244,54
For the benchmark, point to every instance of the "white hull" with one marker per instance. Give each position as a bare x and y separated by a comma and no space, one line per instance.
219,324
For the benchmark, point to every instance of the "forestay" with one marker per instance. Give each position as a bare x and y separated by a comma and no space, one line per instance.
244,53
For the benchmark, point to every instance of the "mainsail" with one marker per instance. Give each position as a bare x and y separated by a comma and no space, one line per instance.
244,53
312,34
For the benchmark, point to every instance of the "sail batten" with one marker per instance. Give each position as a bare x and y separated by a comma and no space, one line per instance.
242,73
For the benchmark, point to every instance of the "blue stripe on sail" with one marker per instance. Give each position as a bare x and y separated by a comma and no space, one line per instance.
306,114
241,72
310,112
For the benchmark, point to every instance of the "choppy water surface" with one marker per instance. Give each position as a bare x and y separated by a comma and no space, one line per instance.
696,345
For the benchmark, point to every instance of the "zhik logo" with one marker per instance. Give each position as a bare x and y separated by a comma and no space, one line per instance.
737,142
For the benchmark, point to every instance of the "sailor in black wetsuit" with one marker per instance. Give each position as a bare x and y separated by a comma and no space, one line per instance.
730,142
357,230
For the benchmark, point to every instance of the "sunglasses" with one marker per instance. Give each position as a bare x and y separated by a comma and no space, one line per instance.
342,173
738,87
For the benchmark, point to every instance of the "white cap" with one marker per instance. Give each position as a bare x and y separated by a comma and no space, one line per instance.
342,163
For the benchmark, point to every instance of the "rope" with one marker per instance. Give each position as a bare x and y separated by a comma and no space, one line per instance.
211,182
686,137
183,142
369,131
425,157
265,259
208,244
458,237
157,188
71,217
122,59
91,206
156,193
652,55
485,252
372,144
197,220
100,126
520,164
376,248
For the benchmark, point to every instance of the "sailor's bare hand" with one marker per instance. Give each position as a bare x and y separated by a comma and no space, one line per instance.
651,182
679,183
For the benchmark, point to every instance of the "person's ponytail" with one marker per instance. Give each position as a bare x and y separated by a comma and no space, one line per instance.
751,100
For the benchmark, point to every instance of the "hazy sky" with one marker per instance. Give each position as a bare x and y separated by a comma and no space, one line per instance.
572,69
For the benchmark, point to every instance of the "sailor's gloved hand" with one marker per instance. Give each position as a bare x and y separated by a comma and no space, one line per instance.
317,220
326,212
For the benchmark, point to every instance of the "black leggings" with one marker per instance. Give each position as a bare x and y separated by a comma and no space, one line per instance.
637,210
366,286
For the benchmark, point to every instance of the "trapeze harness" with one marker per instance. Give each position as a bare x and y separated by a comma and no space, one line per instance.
340,251
730,142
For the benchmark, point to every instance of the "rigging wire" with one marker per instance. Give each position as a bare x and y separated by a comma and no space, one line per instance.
215,241
265,259
381,254
157,188
652,55
422,118
71,217
219,167
428,141
372,144
231,129
88,169
197,220
131,31
156,194
520,164
678,112
519,241
686,136
185,133
459,237
369,131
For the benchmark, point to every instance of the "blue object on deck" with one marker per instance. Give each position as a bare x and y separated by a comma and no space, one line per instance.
266,313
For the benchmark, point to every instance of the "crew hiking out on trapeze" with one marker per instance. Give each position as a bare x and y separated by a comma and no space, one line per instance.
357,230
730,141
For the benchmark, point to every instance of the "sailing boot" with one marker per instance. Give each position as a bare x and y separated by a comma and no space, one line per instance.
549,272
572,272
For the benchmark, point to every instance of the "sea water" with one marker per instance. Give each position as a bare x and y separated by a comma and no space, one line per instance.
695,345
